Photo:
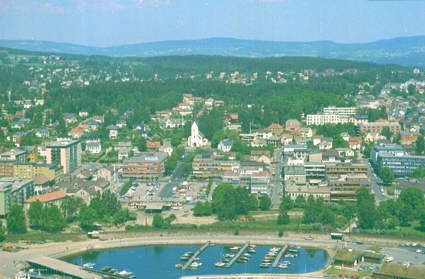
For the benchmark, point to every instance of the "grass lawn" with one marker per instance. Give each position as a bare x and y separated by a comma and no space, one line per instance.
414,229
390,190
336,271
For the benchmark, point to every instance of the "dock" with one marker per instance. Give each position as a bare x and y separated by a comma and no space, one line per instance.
61,268
232,261
279,256
189,262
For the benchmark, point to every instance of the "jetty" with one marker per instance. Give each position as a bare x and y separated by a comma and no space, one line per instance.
279,256
61,268
232,261
189,262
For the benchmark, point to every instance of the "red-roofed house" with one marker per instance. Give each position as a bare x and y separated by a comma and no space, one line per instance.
53,198
276,128
153,145
76,132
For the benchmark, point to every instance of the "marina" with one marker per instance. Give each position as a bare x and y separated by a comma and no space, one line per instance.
236,257
164,261
194,256
279,256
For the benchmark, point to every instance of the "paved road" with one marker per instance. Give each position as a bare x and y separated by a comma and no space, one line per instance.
376,183
176,179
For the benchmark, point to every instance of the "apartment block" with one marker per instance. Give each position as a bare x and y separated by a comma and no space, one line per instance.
334,169
7,159
345,186
66,154
14,191
377,127
31,170
205,165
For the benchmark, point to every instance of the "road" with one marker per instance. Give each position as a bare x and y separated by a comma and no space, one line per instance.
376,183
276,181
176,179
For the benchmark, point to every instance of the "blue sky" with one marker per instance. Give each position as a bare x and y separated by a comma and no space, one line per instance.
119,22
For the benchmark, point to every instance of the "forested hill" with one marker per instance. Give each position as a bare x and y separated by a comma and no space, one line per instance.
408,51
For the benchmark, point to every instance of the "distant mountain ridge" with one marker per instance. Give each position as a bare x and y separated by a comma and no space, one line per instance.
406,51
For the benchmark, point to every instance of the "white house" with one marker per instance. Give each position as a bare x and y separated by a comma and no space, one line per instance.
225,145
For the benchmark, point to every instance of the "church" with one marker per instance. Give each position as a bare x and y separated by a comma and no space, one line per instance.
196,138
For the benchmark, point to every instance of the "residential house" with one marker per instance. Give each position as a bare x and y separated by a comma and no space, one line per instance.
326,143
93,144
409,137
225,145
286,139
121,123
164,114
98,118
16,137
306,132
153,145
70,118
76,132
166,147
275,128
83,113
316,139
17,125
293,126
41,132
48,199
355,143
113,131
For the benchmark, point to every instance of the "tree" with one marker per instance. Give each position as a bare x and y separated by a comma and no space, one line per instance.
87,217
158,221
121,216
327,217
366,215
310,213
34,214
224,202
419,172
70,206
198,210
53,220
287,203
241,200
283,218
405,215
420,145
16,220
207,208
176,139
253,202
300,201
386,132
265,202
386,176
422,220
414,198
2,232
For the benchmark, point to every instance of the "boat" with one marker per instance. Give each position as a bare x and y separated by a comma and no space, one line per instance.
282,265
183,258
269,257
244,258
271,254
234,248
228,255
264,265
289,256
220,264
226,260
266,261
106,268
247,255
178,265
132,276
89,265
195,264
295,246
252,246
192,268
189,253
293,250
274,249
21,275
240,260
251,251
125,272
113,271
286,262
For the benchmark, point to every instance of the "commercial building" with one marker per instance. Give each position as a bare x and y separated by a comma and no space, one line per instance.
145,164
345,186
334,169
66,154
377,127
205,165
400,166
255,182
29,170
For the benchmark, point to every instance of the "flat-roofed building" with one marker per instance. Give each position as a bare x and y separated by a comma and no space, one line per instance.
14,191
66,154
337,169
8,158
145,164
256,182
29,170
345,186
377,127
205,165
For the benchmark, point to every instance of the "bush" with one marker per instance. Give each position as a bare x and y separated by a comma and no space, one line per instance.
236,231
280,233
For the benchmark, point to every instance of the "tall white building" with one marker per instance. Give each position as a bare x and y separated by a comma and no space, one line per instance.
196,138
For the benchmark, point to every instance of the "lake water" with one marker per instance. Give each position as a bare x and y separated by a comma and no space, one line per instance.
159,261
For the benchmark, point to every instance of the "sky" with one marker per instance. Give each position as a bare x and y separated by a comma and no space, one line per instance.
104,23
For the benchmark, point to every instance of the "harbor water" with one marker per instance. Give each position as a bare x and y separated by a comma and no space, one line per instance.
160,261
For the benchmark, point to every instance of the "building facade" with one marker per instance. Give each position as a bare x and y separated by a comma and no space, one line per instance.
66,154
146,165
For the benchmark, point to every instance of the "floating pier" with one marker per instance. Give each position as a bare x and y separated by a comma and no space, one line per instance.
232,261
279,256
189,262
